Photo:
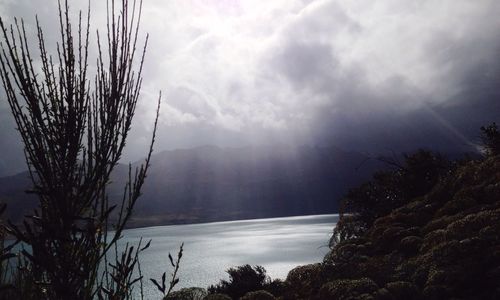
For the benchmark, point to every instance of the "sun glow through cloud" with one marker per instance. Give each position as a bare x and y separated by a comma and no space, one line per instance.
306,71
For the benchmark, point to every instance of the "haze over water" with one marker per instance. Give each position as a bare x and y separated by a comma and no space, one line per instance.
278,244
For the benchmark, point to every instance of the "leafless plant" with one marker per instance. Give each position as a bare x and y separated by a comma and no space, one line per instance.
74,130
174,279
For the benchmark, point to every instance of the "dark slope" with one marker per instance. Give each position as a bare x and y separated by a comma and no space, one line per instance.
444,245
211,183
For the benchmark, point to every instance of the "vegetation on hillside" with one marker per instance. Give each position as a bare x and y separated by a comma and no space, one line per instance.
427,229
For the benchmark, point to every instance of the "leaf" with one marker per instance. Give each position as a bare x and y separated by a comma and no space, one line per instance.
171,260
147,246
157,285
179,254
108,212
176,281
106,291
135,280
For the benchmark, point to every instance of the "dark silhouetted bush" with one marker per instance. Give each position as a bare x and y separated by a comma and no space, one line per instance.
429,229
193,293
277,287
74,125
345,289
403,290
217,296
242,279
303,281
388,190
442,244
491,139
258,295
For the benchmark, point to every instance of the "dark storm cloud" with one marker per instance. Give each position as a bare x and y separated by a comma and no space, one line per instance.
371,76
399,112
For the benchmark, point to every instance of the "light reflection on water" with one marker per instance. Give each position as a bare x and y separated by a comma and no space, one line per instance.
278,244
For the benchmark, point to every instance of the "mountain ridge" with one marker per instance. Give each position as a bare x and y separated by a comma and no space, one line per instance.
210,183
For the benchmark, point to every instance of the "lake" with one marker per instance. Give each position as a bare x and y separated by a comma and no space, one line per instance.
277,244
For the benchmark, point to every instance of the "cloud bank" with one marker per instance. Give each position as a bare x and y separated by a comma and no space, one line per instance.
369,76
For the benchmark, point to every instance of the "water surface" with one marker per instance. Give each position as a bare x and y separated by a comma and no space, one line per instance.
278,244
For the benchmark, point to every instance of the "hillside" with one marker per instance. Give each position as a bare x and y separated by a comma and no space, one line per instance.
442,245
210,183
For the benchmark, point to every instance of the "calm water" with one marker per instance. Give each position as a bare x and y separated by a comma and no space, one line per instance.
278,244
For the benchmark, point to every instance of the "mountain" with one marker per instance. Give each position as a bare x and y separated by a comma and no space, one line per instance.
441,241
212,184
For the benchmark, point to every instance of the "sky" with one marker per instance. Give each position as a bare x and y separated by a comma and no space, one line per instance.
368,76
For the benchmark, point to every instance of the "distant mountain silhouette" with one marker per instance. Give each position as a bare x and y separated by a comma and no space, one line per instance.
210,183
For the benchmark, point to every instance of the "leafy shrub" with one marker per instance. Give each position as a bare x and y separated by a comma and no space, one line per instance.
242,279
303,281
403,290
348,289
193,293
491,139
217,297
258,295
440,245
388,190
276,287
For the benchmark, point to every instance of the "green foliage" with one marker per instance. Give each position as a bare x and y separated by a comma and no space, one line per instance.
345,289
258,295
276,287
490,137
242,279
403,290
193,293
348,227
428,229
389,190
439,245
217,296
303,281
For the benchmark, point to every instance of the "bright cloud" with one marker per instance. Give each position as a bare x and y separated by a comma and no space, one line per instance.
308,70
